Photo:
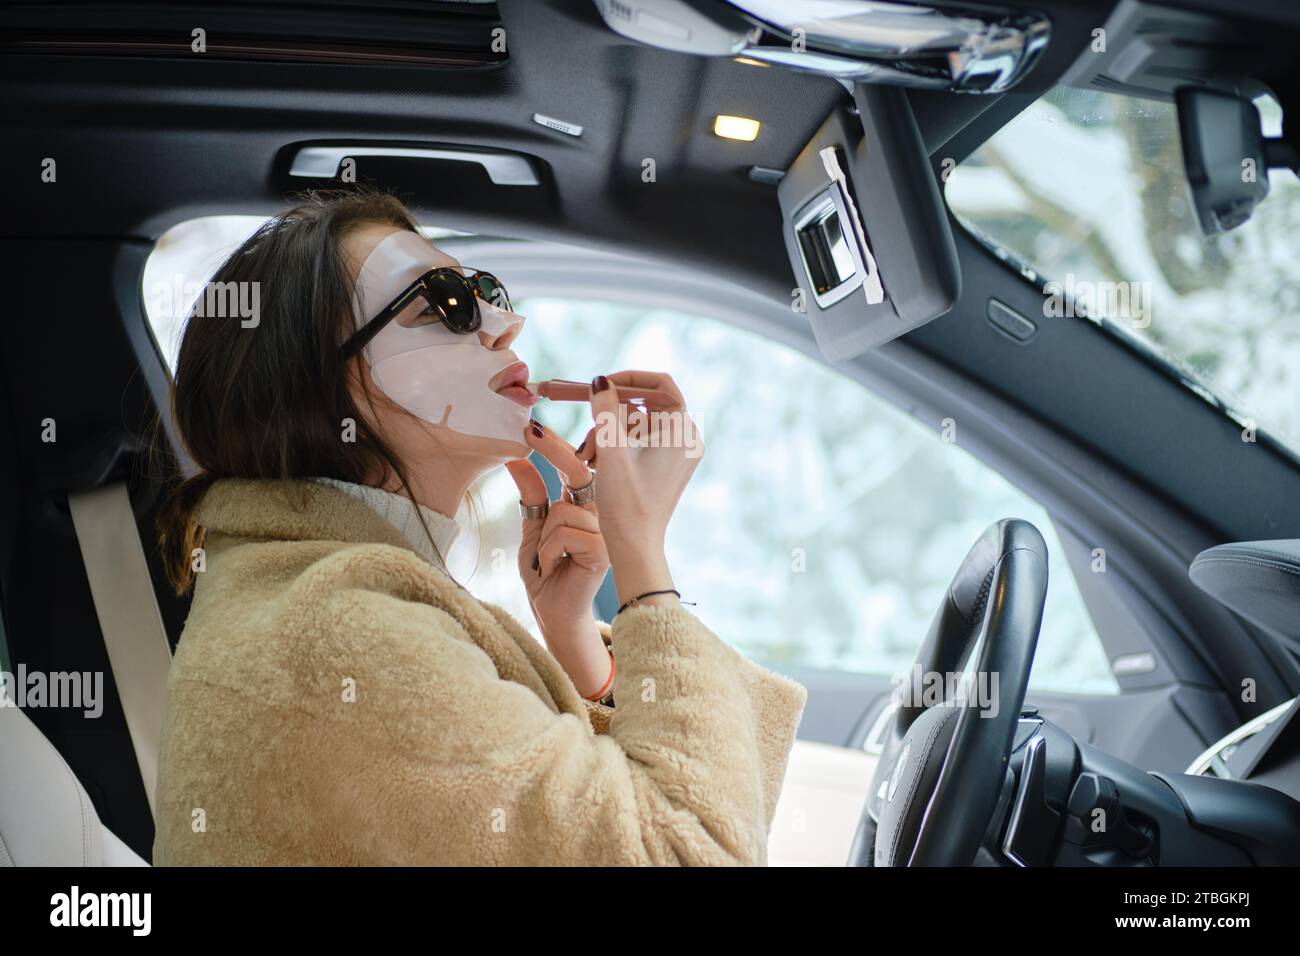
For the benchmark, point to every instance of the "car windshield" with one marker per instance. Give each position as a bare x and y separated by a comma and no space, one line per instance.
1085,192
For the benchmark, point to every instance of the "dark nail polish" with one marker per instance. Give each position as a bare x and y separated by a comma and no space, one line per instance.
599,383
580,447
537,428
537,565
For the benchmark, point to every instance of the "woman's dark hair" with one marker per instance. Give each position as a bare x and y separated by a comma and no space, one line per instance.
270,399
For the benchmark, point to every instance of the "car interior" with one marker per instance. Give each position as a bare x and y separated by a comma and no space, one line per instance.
811,181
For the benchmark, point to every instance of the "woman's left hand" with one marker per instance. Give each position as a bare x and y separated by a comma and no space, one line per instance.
562,561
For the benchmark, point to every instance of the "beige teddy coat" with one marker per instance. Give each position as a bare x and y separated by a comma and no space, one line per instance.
337,699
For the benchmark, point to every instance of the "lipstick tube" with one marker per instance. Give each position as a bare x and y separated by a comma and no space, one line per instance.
563,390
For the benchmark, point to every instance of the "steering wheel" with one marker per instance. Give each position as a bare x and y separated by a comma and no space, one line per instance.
945,758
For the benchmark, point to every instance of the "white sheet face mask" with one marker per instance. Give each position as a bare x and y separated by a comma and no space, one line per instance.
429,370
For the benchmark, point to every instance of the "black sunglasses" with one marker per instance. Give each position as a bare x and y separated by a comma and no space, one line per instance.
452,295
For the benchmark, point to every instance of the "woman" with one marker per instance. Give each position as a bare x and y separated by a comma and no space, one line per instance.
336,698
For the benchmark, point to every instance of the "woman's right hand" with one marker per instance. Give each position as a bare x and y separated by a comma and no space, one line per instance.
643,460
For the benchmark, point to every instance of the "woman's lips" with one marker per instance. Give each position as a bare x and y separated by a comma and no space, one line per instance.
517,393
512,383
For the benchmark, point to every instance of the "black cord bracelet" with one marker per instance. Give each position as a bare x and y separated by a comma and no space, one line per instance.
641,597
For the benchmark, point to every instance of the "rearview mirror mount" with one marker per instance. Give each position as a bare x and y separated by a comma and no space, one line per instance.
1226,156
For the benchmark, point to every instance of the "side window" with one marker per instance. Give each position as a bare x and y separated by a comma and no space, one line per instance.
822,524
182,260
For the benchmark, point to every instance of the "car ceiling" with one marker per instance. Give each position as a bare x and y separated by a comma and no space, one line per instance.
143,142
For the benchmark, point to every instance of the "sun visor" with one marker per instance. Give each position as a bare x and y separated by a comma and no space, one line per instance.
866,229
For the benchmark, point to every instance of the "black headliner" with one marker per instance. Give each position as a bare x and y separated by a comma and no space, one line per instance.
143,143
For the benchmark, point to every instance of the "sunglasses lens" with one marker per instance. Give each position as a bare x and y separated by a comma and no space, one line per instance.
490,288
453,297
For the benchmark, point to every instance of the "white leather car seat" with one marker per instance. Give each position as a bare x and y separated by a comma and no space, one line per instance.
46,817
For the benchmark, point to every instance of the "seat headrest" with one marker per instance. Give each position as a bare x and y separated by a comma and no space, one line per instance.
1260,580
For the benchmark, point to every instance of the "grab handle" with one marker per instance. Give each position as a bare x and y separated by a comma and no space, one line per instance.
503,168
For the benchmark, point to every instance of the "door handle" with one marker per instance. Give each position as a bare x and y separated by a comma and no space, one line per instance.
503,168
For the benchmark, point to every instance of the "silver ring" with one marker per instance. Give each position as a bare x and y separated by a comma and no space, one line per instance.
584,495
534,512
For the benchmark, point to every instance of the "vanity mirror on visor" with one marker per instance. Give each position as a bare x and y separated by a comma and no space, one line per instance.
826,251
865,227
